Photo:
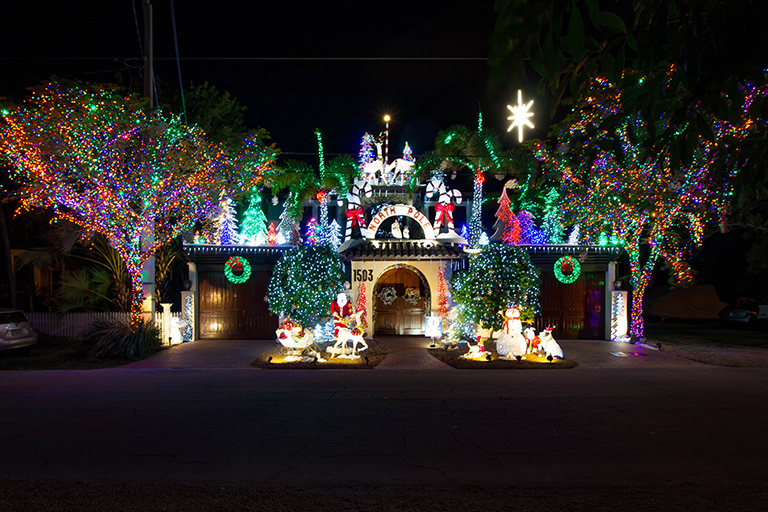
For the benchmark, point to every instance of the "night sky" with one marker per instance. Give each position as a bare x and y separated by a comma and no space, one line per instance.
275,59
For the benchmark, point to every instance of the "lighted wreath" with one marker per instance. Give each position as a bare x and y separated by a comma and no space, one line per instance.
412,295
567,269
237,264
388,295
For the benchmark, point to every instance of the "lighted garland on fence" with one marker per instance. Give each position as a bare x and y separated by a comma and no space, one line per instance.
240,264
567,269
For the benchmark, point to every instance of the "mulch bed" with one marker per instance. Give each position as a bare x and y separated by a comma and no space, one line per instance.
529,362
369,358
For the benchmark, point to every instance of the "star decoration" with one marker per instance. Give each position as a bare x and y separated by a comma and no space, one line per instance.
520,115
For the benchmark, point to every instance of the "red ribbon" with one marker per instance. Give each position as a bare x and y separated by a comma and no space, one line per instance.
444,212
357,216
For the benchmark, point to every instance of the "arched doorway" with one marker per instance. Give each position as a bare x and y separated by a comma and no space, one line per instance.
401,301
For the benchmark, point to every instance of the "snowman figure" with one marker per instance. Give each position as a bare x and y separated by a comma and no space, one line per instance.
511,342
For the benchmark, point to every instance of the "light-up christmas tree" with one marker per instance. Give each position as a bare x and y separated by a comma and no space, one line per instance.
442,300
622,179
513,234
225,223
304,283
271,234
333,236
362,302
97,158
498,276
254,228
551,224
503,215
312,233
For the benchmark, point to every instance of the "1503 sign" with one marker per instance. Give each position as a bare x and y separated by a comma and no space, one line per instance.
362,274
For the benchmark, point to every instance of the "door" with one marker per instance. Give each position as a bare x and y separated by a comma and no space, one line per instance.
235,311
401,299
575,309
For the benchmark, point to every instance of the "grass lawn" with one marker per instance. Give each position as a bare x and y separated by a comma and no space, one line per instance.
54,353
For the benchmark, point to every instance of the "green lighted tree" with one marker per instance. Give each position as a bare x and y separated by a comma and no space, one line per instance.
304,283
498,276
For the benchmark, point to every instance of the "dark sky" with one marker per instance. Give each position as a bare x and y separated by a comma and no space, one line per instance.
256,51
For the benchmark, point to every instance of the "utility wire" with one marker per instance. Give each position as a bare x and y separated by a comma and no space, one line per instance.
178,62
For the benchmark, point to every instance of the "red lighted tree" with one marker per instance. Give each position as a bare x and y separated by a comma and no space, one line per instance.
96,158
362,302
503,216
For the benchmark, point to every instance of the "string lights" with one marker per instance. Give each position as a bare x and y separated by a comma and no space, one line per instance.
96,158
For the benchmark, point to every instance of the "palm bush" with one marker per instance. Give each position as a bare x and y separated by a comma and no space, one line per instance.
113,338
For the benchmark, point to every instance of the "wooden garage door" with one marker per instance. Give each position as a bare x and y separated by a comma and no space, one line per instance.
235,311
575,309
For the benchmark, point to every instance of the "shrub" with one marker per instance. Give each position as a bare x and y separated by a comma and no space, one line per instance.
112,338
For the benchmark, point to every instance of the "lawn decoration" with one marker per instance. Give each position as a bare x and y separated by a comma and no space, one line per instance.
237,264
476,352
297,342
511,342
444,207
548,344
533,341
348,329
355,213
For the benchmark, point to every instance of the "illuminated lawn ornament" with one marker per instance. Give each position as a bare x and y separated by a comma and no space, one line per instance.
520,115
567,269
240,265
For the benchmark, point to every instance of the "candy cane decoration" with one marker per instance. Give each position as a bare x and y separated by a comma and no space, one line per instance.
355,213
444,207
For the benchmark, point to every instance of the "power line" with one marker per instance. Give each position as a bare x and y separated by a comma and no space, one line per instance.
361,59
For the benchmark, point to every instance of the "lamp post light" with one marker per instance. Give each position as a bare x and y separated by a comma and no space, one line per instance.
386,139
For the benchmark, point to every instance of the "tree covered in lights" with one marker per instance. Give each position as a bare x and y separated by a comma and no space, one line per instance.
479,152
503,215
254,228
305,182
621,181
95,157
551,223
498,276
304,283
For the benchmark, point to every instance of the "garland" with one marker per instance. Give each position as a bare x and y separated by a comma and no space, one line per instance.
567,269
240,264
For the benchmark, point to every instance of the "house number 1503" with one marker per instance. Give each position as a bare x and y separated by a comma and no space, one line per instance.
364,275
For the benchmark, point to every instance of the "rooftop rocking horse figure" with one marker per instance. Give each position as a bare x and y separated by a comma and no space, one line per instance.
444,206
355,212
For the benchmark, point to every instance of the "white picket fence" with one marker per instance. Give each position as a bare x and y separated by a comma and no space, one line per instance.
74,325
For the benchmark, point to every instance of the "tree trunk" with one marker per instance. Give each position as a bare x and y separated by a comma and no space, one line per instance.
137,289
11,277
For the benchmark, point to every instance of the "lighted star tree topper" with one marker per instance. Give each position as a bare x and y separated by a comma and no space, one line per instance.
96,158
520,115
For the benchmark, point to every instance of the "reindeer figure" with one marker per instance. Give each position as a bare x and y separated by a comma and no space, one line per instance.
355,213
444,207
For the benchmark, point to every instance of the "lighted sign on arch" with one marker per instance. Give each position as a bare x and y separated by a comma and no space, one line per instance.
399,210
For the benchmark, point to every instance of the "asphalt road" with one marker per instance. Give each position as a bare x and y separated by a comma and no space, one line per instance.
652,435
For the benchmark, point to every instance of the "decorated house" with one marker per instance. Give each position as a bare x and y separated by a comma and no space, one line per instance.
399,241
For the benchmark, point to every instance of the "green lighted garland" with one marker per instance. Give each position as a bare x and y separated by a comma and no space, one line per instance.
233,262
565,262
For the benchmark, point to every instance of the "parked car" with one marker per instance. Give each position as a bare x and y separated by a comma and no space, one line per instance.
745,312
16,330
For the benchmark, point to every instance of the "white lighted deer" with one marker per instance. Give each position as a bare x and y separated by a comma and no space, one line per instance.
352,333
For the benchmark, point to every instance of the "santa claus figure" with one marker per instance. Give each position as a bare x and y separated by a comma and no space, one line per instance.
341,309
